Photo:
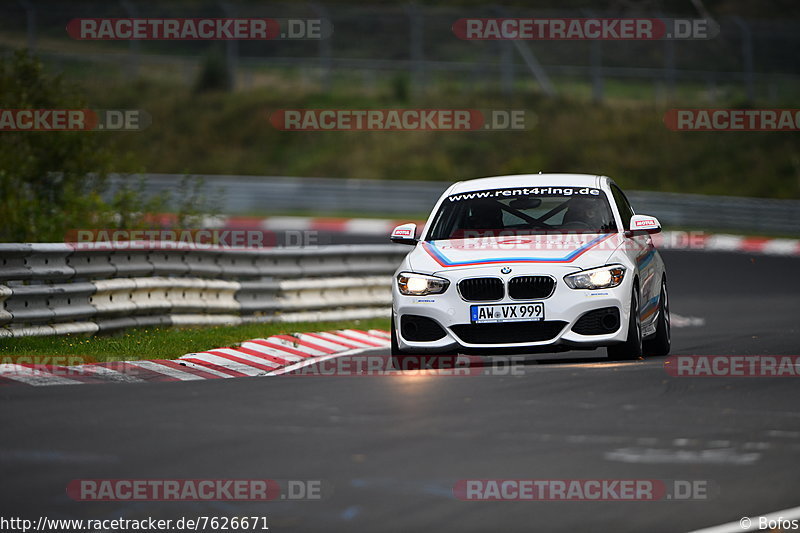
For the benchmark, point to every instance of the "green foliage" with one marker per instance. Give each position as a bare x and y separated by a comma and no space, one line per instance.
52,182
214,74
230,133
400,88
44,186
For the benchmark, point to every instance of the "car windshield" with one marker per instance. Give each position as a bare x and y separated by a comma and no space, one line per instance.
523,211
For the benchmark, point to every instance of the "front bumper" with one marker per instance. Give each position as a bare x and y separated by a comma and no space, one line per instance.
565,305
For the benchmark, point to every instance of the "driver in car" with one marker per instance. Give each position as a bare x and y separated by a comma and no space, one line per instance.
486,216
586,214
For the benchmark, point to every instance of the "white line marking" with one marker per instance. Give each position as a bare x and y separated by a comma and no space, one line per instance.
781,433
669,456
680,321
739,525
719,443
55,456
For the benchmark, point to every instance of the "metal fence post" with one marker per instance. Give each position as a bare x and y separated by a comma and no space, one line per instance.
596,56
596,61
231,49
747,58
30,21
669,67
507,66
325,49
416,49
530,60
134,46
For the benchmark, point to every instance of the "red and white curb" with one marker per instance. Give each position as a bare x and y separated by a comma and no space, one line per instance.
667,240
258,357
719,242
354,226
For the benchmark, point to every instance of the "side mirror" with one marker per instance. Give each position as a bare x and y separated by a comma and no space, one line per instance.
404,234
643,224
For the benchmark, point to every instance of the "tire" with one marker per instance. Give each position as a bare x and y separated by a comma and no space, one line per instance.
661,342
632,347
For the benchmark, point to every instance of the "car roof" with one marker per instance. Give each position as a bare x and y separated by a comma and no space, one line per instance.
528,180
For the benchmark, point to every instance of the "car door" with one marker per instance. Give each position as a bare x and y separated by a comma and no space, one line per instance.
644,253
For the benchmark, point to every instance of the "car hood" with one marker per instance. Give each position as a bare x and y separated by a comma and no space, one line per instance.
577,251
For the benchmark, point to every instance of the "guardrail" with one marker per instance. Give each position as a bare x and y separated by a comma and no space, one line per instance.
264,194
54,289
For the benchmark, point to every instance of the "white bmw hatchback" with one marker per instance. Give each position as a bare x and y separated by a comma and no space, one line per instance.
529,264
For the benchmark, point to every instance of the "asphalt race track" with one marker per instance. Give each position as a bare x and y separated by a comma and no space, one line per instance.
390,449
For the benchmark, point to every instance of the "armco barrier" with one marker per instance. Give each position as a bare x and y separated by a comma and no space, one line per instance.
53,288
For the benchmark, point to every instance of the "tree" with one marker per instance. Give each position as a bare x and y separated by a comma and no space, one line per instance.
53,181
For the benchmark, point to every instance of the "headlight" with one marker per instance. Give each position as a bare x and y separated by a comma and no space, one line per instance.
412,284
598,278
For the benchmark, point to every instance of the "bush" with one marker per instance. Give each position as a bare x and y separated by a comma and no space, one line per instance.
214,75
51,182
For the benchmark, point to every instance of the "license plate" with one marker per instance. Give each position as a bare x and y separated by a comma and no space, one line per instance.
507,312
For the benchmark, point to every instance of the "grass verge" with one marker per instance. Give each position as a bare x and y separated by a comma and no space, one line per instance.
156,343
